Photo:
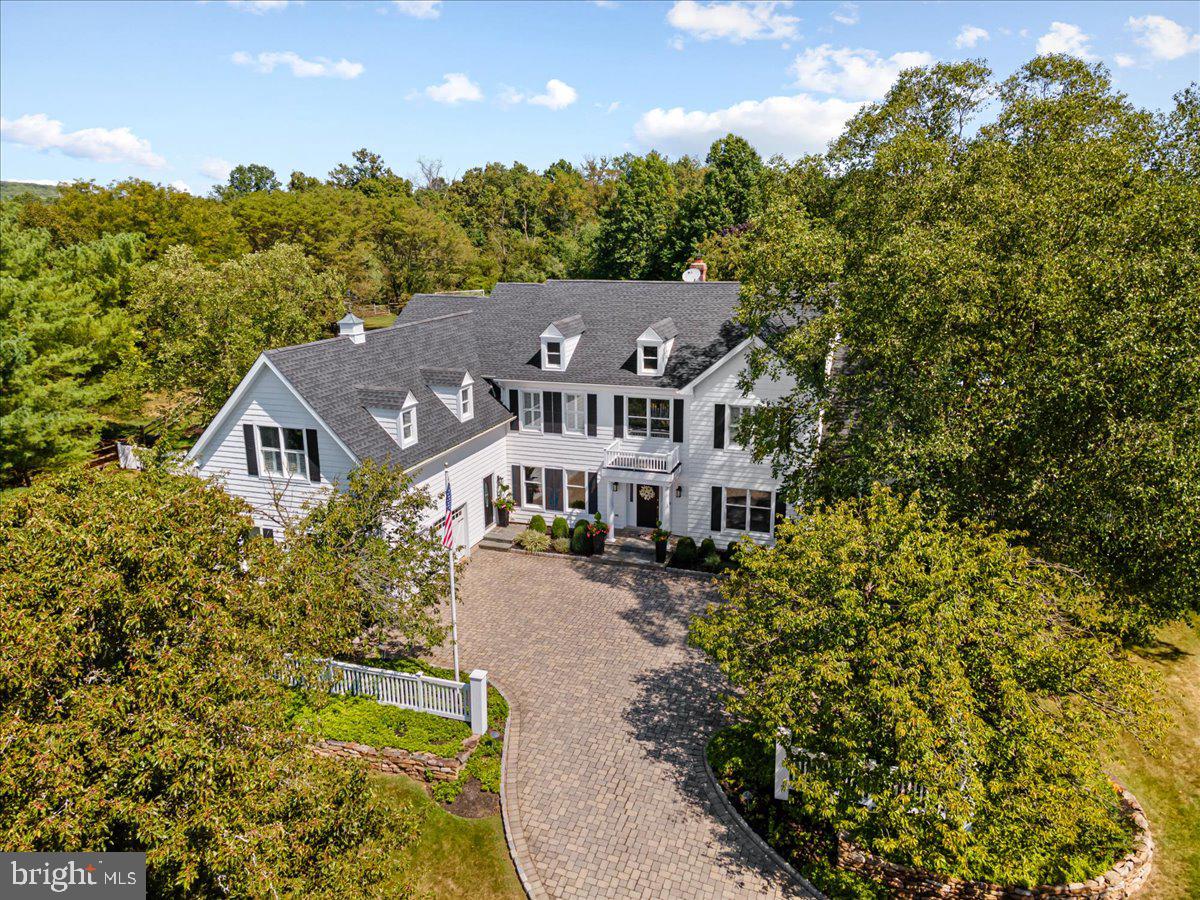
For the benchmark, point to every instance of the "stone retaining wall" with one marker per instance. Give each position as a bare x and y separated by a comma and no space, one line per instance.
423,766
1122,880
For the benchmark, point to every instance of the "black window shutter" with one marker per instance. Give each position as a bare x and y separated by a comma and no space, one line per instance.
314,454
677,436
591,415
251,450
514,407
554,489
552,410
618,416
715,519
593,506
719,427
516,485
780,507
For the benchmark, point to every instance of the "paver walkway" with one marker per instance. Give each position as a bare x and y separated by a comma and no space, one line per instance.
606,790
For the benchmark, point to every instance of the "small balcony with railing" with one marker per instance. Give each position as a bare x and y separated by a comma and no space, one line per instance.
619,457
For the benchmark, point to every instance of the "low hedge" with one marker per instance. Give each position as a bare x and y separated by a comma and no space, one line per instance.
685,555
537,523
363,721
560,528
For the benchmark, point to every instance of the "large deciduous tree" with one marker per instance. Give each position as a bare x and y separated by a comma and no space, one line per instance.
64,334
1016,308
203,327
943,694
145,640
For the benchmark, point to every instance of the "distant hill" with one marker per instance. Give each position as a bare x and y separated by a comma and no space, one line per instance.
16,188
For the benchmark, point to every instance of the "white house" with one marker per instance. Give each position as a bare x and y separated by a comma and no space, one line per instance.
615,397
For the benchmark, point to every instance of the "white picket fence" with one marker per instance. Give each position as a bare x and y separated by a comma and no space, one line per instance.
802,760
423,693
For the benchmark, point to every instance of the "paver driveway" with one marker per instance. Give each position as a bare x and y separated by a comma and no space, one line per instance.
606,790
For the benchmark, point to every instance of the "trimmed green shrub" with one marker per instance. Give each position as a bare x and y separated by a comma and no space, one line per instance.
711,563
560,528
560,545
363,721
707,548
533,540
537,523
685,555
579,537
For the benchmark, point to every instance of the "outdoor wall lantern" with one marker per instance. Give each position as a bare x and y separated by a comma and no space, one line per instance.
679,490
616,487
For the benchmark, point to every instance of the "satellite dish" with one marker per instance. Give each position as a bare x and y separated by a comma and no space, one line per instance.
691,275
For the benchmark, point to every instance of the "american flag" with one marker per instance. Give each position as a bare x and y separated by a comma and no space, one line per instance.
448,526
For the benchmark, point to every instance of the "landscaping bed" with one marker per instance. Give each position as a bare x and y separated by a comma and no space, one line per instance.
463,770
744,769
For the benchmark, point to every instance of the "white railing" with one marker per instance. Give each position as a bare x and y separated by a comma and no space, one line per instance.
618,458
420,692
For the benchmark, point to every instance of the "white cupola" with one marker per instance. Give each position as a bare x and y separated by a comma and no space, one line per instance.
351,326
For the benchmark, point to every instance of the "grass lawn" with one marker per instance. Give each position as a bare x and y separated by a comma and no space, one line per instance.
1168,783
452,857
383,321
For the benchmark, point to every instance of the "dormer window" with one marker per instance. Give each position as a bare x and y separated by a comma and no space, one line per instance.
465,404
454,387
559,341
408,426
654,346
650,359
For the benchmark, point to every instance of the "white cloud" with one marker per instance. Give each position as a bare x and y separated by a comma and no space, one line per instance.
846,14
1066,38
970,36
509,96
109,145
317,67
676,42
613,107
558,95
789,125
738,21
1165,38
258,7
1124,61
455,88
852,73
606,4
418,9
181,186
216,168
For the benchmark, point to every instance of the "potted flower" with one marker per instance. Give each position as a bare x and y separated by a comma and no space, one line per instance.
505,504
597,529
660,536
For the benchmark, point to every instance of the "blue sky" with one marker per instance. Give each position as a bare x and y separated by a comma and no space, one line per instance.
176,92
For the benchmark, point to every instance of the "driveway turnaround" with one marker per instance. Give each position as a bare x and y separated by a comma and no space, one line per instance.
605,787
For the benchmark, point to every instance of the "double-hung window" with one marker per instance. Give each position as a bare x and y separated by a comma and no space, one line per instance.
649,358
408,427
747,510
533,486
574,413
553,355
732,418
464,403
576,489
648,417
531,410
283,451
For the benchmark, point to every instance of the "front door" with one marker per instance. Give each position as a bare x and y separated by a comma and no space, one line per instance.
647,505
488,511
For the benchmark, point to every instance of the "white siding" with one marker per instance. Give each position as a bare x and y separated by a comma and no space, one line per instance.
268,401
479,458
705,466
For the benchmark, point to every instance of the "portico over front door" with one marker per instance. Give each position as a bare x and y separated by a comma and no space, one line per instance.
647,505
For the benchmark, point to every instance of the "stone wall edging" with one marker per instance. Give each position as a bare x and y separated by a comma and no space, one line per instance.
394,761
1123,879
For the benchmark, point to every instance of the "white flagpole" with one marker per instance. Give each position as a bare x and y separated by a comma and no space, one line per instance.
453,612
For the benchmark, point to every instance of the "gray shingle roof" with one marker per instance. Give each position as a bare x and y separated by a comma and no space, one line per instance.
665,328
570,326
330,374
442,376
507,326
